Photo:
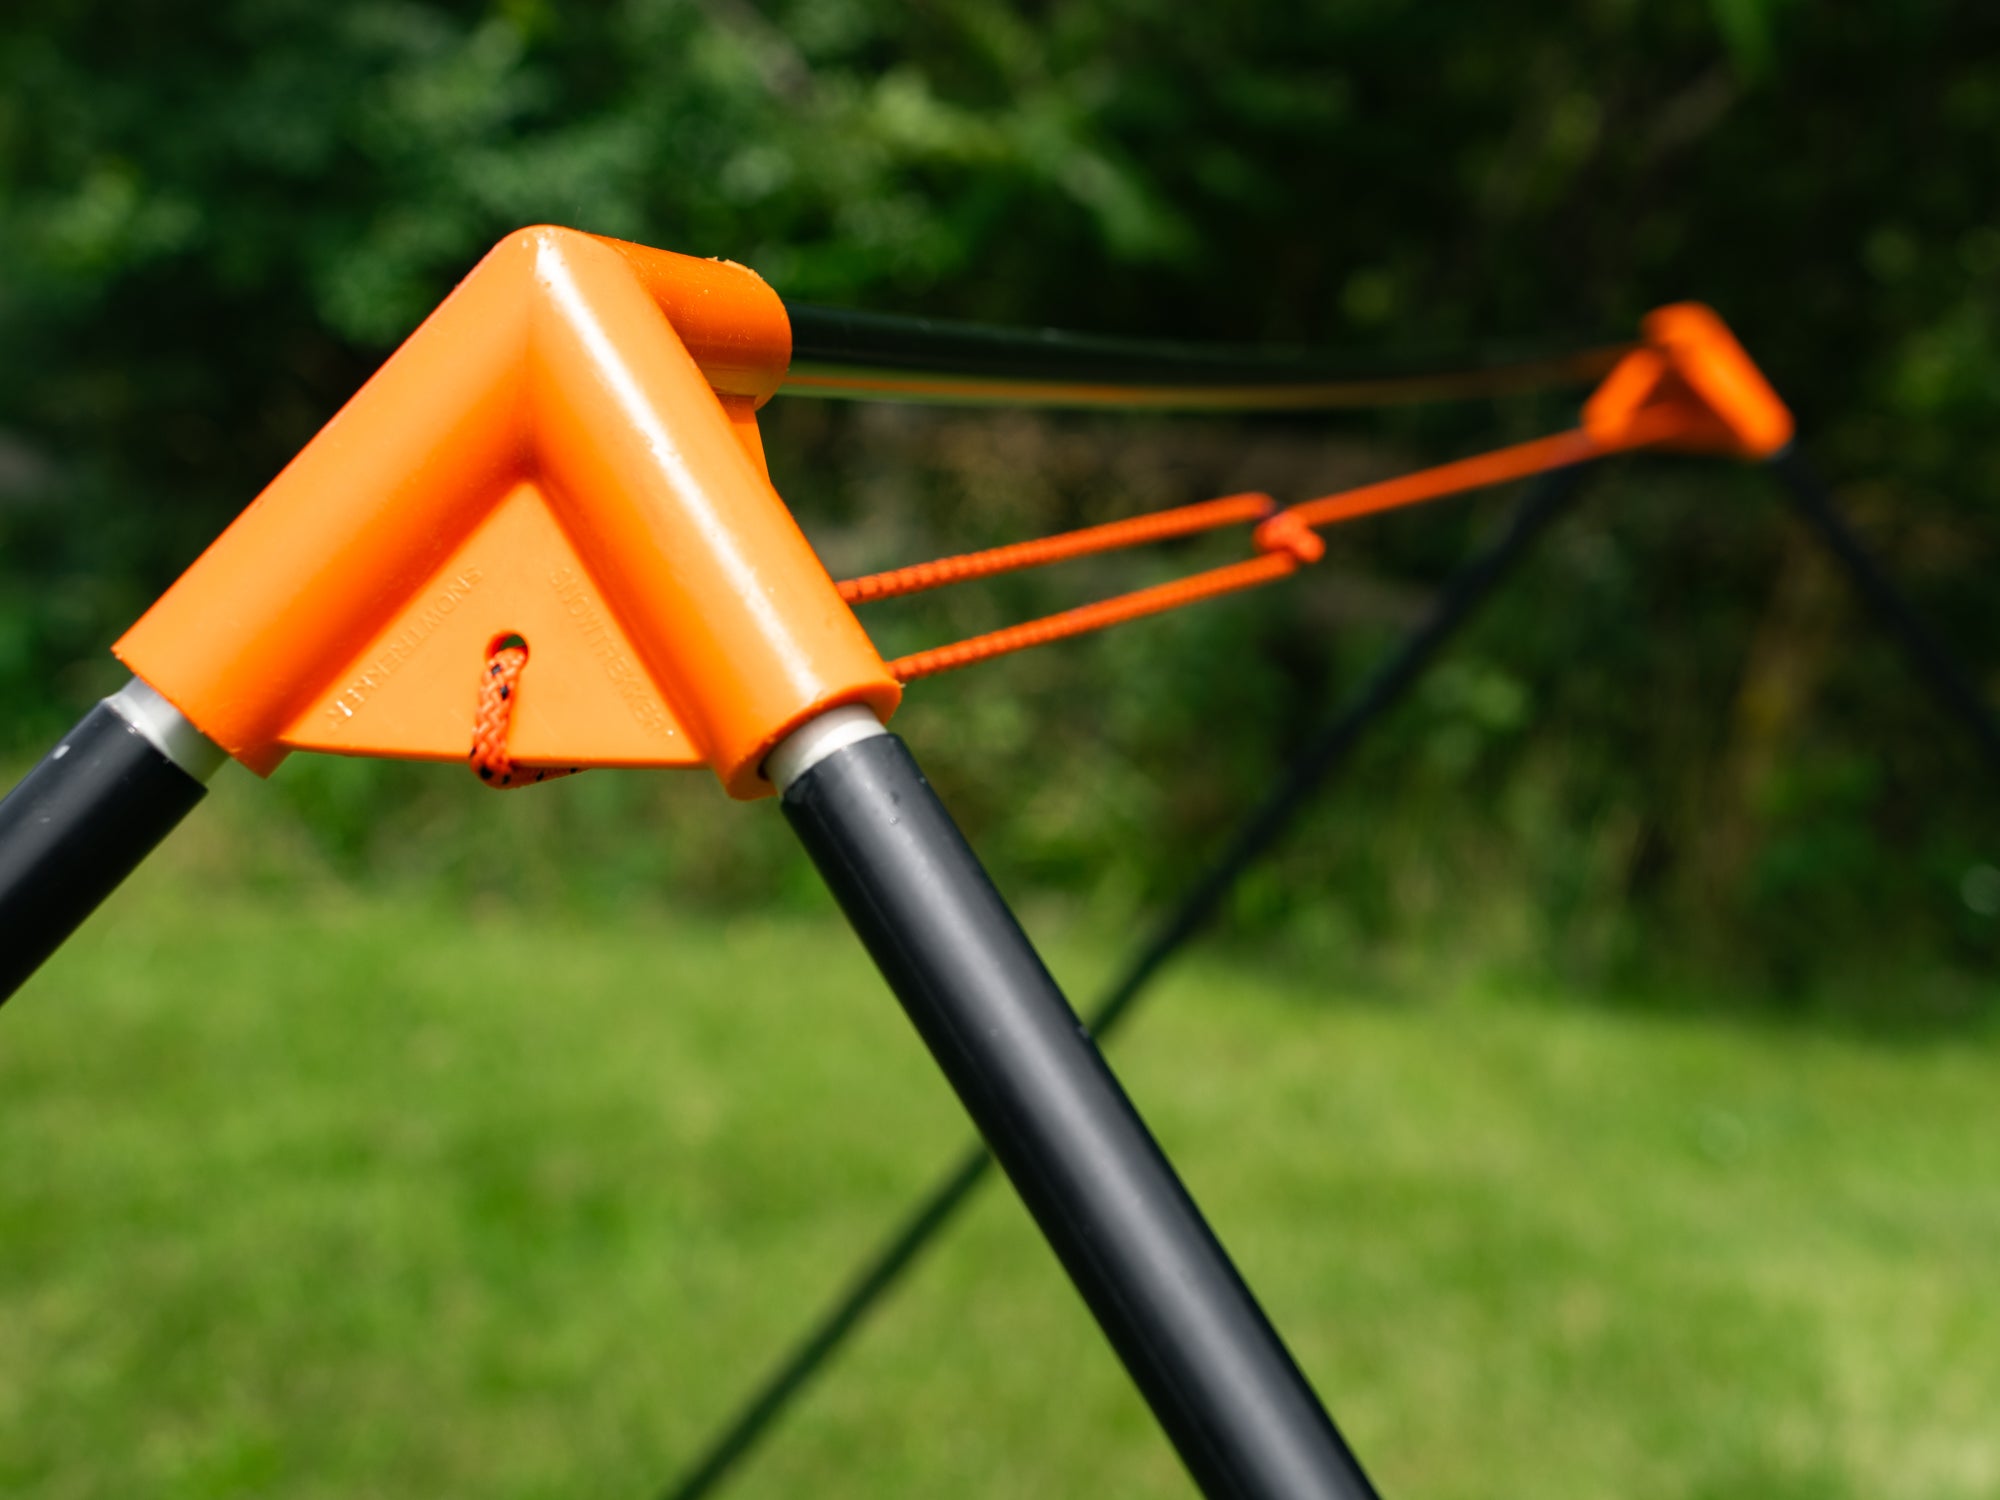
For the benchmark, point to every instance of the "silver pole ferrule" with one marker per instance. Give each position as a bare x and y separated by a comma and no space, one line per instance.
169,730
816,739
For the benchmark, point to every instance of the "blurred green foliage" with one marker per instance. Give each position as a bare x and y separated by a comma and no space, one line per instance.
1677,735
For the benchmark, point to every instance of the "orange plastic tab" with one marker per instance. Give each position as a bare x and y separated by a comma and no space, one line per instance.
567,451
1692,365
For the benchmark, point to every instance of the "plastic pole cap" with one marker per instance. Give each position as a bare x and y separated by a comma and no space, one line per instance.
566,450
1692,367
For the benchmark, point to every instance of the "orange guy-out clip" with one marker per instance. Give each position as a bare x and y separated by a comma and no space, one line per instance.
1692,368
565,451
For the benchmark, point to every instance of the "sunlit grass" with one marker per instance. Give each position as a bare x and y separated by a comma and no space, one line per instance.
345,1194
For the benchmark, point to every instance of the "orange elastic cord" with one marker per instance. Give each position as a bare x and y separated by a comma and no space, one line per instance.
1477,472
1089,617
498,686
1484,470
1287,543
1285,538
1160,526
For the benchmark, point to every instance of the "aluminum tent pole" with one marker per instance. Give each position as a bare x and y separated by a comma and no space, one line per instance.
83,819
1219,1380
1926,653
1545,500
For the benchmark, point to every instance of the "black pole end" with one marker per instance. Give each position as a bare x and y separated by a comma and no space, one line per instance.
75,827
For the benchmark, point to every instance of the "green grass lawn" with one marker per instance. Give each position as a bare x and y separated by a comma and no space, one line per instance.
338,1194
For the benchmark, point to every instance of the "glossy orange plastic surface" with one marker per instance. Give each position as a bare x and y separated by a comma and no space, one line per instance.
1692,364
566,450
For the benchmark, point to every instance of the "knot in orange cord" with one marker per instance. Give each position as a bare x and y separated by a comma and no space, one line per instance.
1287,531
499,686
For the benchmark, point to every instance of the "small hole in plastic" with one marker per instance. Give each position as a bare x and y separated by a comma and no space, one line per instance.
503,640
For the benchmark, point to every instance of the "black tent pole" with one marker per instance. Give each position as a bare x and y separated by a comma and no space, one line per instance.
843,352
1220,1382
83,819
1545,500
1926,653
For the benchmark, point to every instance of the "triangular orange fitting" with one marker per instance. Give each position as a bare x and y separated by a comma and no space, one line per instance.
1692,366
567,451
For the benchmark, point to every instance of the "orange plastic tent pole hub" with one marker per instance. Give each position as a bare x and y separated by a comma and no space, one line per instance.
1692,368
566,451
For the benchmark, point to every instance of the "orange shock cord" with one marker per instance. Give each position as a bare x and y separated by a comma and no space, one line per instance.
1136,531
499,686
1286,538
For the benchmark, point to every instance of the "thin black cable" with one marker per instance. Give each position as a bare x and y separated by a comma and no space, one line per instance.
1546,498
1928,654
841,352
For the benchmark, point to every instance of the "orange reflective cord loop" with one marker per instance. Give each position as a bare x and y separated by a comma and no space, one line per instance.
1089,617
1286,539
499,689
1160,526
